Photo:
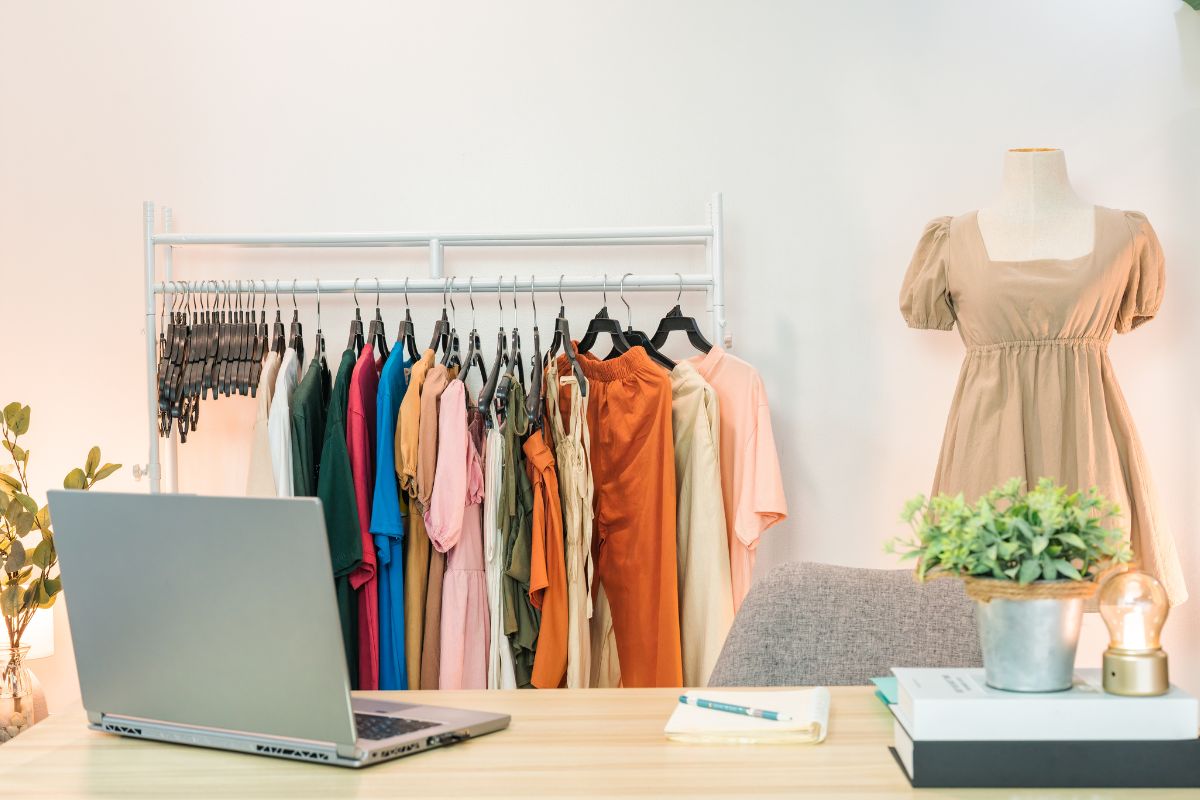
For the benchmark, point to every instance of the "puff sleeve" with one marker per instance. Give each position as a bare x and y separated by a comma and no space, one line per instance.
925,295
1144,288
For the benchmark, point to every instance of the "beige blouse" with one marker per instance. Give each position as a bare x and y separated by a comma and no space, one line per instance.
1036,395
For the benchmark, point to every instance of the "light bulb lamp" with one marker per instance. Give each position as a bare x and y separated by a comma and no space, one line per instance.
1134,607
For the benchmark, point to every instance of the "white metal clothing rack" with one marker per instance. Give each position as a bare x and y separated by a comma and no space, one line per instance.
709,235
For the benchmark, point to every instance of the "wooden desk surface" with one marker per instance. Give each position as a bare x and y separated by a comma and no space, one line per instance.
566,743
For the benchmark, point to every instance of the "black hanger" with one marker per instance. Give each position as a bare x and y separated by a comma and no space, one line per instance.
297,330
489,387
533,400
441,328
261,333
562,338
603,323
319,341
377,333
473,357
453,356
407,330
637,338
516,367
356,327
278,342
676,321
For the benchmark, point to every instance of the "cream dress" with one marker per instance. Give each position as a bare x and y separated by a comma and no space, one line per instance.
1036,395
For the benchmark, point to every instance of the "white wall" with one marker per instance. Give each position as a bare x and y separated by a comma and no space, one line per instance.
835,130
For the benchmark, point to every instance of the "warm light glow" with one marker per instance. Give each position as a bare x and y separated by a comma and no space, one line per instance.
39,636
1134,607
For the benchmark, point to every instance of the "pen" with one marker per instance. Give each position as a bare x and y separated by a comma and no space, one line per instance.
734,709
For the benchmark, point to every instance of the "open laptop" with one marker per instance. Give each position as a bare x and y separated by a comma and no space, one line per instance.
212,621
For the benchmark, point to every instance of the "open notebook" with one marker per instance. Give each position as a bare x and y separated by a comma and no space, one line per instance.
809,709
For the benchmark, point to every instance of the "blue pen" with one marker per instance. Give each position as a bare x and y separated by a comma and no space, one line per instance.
729,708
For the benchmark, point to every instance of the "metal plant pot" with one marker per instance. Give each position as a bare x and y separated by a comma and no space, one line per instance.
1029,645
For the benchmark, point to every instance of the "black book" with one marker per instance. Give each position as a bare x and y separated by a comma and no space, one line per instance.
1106,764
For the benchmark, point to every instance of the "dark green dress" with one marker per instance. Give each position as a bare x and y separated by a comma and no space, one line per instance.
514,518
335,487
309,404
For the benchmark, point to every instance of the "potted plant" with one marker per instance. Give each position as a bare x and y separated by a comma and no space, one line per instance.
1029,559
28,563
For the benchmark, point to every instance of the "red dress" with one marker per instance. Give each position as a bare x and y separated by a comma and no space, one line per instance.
360,440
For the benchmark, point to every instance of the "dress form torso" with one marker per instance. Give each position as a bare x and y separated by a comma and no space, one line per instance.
1038,214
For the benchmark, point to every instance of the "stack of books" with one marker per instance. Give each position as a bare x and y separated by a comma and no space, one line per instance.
953,730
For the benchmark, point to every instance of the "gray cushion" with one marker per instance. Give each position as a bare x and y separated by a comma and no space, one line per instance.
811,624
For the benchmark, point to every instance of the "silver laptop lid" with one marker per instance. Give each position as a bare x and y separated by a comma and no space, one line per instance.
208,611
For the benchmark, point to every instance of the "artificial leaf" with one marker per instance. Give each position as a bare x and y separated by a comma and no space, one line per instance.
1039,544
24,523
10,481
1067,568
75,479
13,510
20,425
18,453
27,502
42,518
43,596
1049,572
16,557
11,601
10,413
93,461
1073,540
106,470
53,585
1028,572
43,554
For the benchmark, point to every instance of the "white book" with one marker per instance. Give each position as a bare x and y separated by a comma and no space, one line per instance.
957,704
808,709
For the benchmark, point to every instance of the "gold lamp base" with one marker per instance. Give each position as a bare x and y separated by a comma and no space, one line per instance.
1135,673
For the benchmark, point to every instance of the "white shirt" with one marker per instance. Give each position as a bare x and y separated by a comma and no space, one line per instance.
279,423
260,481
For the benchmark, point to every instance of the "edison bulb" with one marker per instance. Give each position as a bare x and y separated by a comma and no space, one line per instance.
1134,607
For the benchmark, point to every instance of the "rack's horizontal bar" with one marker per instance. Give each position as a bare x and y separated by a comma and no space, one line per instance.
696,234
460,285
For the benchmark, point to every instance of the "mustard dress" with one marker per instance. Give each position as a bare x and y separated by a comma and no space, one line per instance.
1037,396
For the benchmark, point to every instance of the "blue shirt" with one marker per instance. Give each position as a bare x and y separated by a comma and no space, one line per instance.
387,522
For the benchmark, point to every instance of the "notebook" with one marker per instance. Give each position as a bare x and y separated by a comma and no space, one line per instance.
809,709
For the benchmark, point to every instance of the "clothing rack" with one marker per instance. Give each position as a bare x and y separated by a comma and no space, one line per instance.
709,235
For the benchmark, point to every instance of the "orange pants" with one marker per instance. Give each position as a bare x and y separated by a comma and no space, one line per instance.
633,468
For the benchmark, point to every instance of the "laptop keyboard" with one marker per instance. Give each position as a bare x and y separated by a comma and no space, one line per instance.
376,728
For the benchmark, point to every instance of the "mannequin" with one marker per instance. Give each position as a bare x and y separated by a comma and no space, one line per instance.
1038,215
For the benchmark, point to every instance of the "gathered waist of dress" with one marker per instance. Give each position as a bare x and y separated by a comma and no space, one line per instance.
1028,344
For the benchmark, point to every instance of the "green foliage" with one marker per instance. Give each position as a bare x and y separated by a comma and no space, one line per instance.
1044,534
28,570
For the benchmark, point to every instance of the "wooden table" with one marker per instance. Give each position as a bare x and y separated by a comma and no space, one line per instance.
566,743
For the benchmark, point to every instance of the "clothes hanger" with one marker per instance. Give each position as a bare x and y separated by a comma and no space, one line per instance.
164,364
562,338
676,321
407,330
516,366
213,347
473,357
637,338
261,333
297,330
603,323
377,333
356,327
278,342
453,357
533,401
319,342
489,386
441,328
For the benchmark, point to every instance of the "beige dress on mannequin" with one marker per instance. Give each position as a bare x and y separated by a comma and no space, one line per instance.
1036,394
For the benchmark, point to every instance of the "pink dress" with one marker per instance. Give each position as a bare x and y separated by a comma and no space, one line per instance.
360,439
454,523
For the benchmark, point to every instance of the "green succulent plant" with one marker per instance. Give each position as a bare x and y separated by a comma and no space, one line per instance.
28,575
1043,534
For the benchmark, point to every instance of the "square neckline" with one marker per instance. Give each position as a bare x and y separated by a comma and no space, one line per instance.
1089,254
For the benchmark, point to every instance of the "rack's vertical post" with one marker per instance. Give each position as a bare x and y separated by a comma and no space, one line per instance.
151,349
716,265
171,459
436,268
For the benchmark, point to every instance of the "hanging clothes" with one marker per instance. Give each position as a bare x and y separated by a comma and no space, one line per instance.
309,404
521,619
633,465
566,414
548,565
260,480
500,673
416,542
335,487
751,484
453,522
705,585
436,381
387,523
360,441
279,423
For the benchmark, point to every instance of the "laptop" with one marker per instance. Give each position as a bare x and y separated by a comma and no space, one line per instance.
212,621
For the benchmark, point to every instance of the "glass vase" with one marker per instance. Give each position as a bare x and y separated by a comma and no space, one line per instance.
16,692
